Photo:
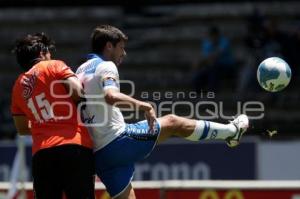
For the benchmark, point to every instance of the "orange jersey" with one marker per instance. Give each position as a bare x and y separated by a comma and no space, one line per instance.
40,95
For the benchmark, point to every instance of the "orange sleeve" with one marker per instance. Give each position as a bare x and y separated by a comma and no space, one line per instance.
14,108
61,70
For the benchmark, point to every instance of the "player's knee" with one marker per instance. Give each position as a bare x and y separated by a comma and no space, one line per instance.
172,120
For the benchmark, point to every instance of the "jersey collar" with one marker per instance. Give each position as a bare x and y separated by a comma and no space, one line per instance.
93,56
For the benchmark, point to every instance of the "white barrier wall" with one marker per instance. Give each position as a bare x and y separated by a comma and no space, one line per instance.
204,189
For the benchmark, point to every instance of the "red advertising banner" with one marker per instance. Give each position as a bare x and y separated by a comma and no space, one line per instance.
202,194
140,194
232,194
100,194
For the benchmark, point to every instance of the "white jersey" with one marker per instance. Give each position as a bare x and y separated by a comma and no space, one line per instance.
105,122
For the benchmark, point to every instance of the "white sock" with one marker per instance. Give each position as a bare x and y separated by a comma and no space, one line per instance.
206,130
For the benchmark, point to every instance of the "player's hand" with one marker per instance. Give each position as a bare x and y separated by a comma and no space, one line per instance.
151,118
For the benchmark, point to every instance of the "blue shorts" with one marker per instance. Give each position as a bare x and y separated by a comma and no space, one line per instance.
115,162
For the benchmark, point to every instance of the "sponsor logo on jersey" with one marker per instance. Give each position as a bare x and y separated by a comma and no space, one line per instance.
28,83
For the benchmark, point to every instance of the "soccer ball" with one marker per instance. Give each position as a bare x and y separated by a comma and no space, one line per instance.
274,74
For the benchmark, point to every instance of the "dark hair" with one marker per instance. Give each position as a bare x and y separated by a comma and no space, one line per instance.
28,48
103,34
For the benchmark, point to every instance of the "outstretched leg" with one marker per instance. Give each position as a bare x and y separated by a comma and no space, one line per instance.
172,125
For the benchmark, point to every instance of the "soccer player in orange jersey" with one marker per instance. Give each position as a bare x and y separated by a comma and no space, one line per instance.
46,96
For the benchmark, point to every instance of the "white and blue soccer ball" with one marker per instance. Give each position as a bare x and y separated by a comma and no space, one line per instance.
274,74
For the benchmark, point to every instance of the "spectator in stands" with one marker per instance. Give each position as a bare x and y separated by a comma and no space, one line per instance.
273,39
253,42
62,156
216,61
263,40
291,51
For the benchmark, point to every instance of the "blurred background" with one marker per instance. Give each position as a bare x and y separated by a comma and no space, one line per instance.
200,47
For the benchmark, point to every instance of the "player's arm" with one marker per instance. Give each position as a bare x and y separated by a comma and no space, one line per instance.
21,124
20,120
121,100
74,86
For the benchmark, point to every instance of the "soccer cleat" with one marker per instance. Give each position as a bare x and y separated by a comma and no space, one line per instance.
242,124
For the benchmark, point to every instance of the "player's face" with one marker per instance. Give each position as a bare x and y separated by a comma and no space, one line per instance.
118,53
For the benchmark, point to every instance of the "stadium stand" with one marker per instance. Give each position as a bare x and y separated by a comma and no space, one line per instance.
163,43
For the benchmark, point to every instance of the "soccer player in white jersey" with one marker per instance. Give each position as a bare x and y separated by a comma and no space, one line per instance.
118,145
